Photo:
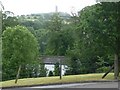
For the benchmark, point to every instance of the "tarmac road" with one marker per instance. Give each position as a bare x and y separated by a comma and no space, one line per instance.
85,86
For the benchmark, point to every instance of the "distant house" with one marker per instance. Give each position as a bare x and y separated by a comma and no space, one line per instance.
50,61
55,59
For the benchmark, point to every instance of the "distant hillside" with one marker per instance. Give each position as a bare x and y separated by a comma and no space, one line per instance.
40,20
44,16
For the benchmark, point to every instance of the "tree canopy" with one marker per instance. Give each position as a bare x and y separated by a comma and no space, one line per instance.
98,29
20,47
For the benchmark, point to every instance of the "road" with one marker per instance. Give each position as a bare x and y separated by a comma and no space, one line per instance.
76,85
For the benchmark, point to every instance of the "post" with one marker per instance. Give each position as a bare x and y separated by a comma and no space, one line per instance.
60,68
60,71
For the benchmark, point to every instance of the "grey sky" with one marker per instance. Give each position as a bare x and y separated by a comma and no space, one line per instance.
42,6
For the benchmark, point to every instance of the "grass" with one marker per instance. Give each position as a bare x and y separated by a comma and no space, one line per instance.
54,80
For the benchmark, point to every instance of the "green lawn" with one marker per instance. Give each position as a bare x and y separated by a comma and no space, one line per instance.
52,80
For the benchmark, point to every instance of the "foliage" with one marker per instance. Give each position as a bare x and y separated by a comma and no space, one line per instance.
20,47
33,70
55,23
74,64
103,69
60,42
7,19
43,71
96,23
98,29
35,24
42,36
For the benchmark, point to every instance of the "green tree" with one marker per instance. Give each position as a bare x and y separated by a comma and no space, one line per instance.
43,70
20,47
60,42
35,24
74,65
55,23
42,36
7,19
99,29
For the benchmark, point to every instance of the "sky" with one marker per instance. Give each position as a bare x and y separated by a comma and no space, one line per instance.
20,7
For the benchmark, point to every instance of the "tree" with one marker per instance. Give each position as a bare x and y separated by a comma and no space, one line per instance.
43,70
60,42
35,24
42,36
7,19
55,24
20,47
74,65
99,29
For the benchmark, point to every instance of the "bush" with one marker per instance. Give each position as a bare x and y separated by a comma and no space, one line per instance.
50,74
102,69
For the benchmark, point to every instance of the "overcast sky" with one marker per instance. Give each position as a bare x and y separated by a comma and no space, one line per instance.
20,7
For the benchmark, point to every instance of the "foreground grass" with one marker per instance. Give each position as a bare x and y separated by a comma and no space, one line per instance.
56,80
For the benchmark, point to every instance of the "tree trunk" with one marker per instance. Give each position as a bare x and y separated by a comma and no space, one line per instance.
116,71
17,76
119,66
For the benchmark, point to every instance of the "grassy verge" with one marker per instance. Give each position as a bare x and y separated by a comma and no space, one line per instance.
56,80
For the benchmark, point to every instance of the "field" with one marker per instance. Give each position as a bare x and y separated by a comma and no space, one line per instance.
56,80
